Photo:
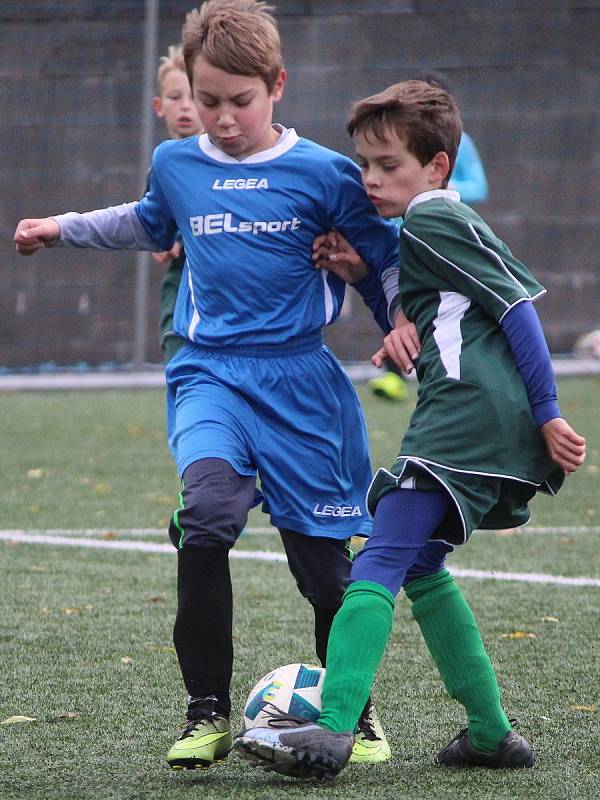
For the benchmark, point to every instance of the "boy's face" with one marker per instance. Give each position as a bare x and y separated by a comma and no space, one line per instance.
392,175
176,107
235,110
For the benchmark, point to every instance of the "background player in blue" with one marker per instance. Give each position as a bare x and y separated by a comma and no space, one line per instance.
254,389
485,436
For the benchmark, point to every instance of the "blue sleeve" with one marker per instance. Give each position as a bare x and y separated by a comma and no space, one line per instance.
522,328
372,293
154,211
468,176
375,239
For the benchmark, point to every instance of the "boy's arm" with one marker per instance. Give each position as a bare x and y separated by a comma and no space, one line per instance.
523,330
331,251
374,239
115,228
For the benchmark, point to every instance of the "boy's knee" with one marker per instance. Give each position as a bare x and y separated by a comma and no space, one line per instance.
430,561
215,504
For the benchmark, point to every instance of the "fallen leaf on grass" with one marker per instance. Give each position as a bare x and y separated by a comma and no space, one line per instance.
548,618
102,489
17,718
157,599
588,709
70,611
518,635
127,660
35,474
109,535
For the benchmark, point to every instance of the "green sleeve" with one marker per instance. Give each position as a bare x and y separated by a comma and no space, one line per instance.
461,254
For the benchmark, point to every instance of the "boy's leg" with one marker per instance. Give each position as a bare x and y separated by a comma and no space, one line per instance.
321,567
454,641
403,522
214,508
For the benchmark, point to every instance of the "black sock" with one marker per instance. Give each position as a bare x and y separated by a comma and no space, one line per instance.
203,627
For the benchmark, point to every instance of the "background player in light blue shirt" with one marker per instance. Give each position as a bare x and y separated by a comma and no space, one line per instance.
254,390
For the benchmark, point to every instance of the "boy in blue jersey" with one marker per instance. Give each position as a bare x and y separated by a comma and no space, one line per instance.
254,389
485,436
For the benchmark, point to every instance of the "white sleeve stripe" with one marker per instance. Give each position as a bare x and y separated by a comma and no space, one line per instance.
496,257
327,296
522,300
195,316
457,268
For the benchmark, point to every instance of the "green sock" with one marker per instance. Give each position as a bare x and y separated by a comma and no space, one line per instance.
357,642
452,636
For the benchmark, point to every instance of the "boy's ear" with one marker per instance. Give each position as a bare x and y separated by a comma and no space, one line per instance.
157,105
279,86
440,167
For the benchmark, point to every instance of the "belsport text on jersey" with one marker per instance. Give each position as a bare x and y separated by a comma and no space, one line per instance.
223,223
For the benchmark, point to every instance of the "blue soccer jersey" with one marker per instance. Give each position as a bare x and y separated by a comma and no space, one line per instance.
248,228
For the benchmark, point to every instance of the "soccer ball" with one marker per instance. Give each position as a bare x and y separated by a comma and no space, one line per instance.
294,689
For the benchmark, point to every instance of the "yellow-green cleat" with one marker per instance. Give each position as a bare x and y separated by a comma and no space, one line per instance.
370,744
202,742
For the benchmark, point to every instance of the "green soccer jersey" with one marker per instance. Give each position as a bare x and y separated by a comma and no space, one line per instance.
472,429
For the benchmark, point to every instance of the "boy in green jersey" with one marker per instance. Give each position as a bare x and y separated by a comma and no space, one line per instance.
485,436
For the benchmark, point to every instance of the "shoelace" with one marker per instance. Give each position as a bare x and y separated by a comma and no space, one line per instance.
281,719
366,727
189,726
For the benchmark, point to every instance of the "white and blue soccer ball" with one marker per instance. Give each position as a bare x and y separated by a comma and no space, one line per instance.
294,689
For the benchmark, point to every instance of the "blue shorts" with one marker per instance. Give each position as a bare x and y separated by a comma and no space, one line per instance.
289,413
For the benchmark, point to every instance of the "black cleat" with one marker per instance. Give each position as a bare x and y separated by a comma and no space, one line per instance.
514,752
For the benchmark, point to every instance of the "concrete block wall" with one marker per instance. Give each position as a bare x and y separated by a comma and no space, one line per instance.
525,72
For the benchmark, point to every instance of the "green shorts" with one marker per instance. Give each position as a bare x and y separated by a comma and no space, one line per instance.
479,501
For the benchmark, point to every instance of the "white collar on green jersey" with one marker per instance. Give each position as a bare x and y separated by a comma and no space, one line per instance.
287,139
447,194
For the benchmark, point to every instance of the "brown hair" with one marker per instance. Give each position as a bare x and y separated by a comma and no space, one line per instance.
237,36
425,116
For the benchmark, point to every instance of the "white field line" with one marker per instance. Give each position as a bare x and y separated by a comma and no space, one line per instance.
132,532
153,547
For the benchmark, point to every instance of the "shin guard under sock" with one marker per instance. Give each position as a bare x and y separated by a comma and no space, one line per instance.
453,639
357,642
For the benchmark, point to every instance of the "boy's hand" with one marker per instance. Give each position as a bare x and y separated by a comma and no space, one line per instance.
33,234
401,346
565,446
167,255
331,251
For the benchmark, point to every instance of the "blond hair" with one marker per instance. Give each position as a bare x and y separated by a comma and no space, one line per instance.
425,116
237,36
172,61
